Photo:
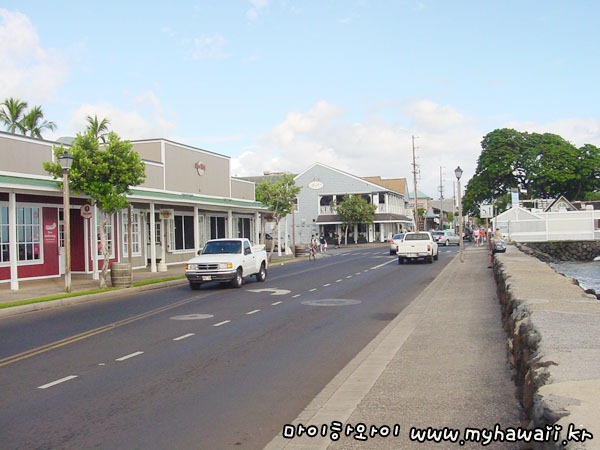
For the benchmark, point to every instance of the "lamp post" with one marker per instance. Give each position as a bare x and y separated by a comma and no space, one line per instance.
66,160
458,172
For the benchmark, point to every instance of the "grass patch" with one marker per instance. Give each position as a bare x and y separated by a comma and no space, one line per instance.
64,295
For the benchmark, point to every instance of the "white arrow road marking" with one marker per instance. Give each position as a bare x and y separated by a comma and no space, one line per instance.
273,291
54,383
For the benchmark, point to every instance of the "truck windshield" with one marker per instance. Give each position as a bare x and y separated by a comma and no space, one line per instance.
222,247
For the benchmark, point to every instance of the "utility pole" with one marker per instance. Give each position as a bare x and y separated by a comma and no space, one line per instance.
441,200
416,196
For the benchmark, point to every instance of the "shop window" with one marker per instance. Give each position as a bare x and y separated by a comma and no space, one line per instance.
4,244
243,229
183,232
217,227
136,242
108,229
28,234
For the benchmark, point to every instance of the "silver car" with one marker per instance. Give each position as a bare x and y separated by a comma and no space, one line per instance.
394,242
445,237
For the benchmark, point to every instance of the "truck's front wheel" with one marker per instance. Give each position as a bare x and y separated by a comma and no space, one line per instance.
262,273
238,280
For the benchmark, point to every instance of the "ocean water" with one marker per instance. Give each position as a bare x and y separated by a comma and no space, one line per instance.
587,273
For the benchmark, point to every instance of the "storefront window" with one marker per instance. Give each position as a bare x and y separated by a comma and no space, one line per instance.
184,232
136,243
4,245
28,234
108,229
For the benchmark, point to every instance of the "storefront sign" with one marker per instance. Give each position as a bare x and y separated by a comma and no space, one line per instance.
50,233
86,211
200,167
315,184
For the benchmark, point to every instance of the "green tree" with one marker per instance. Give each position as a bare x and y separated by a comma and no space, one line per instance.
34,123
12,112
279,195
354,210
105,174
538,165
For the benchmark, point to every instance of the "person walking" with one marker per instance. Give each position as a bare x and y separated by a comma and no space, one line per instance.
312,248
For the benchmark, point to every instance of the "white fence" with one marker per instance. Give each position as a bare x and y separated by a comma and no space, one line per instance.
524,226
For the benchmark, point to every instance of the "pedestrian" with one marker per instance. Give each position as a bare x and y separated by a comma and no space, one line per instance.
312,248
322,243
476,237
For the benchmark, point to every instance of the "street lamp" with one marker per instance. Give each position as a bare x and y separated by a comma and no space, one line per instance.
66,160
458,172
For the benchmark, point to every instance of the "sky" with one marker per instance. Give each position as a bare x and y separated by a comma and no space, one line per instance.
278,85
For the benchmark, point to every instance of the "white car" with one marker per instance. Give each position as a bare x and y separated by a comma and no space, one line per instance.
445,237
394,241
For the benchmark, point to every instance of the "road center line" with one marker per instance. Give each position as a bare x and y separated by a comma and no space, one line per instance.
252,312
54,383
183,337
131,355
276,303
221,323
297,295
312,290
328,284
338,281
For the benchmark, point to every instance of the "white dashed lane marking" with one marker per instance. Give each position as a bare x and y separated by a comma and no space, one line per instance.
131,355
185,336
54,383
249,313
221,323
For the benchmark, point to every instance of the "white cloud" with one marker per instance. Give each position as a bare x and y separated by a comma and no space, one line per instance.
257,7
146,118
208,47
447,138
27,70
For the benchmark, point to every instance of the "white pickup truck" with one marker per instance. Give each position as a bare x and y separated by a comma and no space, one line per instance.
227,260
417,245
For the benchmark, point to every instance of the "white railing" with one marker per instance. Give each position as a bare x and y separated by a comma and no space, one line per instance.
558,226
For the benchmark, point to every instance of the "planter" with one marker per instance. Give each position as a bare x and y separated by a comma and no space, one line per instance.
120,275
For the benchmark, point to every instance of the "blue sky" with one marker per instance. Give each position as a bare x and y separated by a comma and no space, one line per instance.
279,84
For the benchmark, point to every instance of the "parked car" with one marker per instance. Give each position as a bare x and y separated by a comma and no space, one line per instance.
394,241
445,237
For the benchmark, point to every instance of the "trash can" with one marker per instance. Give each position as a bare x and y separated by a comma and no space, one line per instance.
120,275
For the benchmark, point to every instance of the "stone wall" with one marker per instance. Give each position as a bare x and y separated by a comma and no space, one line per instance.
566,250
553,330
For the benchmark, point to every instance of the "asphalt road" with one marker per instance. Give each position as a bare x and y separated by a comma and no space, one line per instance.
181,369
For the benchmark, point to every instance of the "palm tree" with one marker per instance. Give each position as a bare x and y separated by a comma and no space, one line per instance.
34,123
98,128
12,114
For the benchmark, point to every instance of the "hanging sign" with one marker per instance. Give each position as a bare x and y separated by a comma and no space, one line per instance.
86,211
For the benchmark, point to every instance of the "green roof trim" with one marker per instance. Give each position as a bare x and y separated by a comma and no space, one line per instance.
197,198
190,198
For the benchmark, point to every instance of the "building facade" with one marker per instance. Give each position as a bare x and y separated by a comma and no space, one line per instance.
187,198
323,187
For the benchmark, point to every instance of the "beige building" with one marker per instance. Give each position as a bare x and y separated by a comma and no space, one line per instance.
188,197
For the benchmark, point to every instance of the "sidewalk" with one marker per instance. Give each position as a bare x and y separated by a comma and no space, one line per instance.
440,363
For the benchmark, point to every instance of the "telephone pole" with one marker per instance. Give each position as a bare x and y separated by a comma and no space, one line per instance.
416,196
441,200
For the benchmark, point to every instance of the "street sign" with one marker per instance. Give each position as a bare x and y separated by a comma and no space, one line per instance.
486,211
86,211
